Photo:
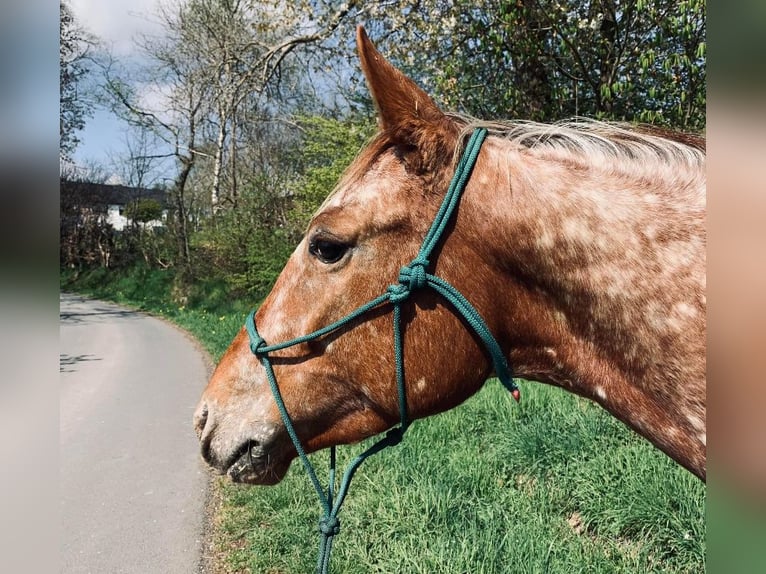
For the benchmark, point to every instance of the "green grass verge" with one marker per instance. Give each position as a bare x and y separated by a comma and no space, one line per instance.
209,314
553,484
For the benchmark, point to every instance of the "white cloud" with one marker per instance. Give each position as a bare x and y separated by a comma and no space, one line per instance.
117,22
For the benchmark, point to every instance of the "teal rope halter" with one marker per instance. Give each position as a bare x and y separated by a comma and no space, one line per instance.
411,277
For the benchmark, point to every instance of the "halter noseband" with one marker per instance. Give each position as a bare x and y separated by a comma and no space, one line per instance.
411,277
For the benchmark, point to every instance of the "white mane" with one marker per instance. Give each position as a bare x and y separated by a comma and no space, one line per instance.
593,140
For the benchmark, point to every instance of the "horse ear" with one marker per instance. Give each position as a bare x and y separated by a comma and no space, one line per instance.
405,111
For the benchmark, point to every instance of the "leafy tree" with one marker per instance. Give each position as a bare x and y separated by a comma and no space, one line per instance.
328,146
137,238
74,49
247,247
247,50
553,59
143,210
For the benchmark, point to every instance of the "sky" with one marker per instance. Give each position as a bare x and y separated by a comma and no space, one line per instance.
116,23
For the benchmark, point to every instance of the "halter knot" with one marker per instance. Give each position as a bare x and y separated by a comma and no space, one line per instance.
256,342
413,276
329,525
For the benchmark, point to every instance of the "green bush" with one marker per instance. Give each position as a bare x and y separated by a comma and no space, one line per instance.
329,147
143,210
245,247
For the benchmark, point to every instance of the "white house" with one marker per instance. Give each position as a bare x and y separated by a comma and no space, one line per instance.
115,216
109,202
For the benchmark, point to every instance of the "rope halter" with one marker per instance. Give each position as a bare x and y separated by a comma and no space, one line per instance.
411,278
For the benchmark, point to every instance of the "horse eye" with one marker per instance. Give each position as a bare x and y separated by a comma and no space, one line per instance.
327,251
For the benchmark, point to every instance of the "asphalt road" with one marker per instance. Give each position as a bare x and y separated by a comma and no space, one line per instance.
133,486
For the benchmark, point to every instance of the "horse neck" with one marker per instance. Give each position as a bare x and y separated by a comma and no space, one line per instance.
603,276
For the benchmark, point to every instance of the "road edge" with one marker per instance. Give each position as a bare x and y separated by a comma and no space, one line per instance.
209,561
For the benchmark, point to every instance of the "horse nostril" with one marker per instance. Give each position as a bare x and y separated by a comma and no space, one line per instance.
200,419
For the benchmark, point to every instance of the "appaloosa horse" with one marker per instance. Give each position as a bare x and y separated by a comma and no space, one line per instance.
581,245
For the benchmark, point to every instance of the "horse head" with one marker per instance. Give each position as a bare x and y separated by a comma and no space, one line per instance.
340,388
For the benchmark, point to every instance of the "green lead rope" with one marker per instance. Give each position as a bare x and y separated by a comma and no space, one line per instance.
411,277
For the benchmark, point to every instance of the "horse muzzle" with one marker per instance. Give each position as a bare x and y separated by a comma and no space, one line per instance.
248,452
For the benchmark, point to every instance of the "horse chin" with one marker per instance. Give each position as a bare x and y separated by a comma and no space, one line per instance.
254,465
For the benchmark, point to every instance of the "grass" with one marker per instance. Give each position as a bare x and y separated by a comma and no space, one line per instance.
553,484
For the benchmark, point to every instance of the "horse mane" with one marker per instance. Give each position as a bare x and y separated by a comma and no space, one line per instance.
616,145
592,140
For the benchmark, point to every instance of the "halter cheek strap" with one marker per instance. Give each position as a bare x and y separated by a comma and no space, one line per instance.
411,277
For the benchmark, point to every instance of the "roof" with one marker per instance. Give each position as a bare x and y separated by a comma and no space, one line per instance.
102,194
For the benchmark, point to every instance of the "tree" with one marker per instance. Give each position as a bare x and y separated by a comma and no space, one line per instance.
174,72
248,246
326,148
74,51
244,45
552,59
214,69
143,210
232,39
138,164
